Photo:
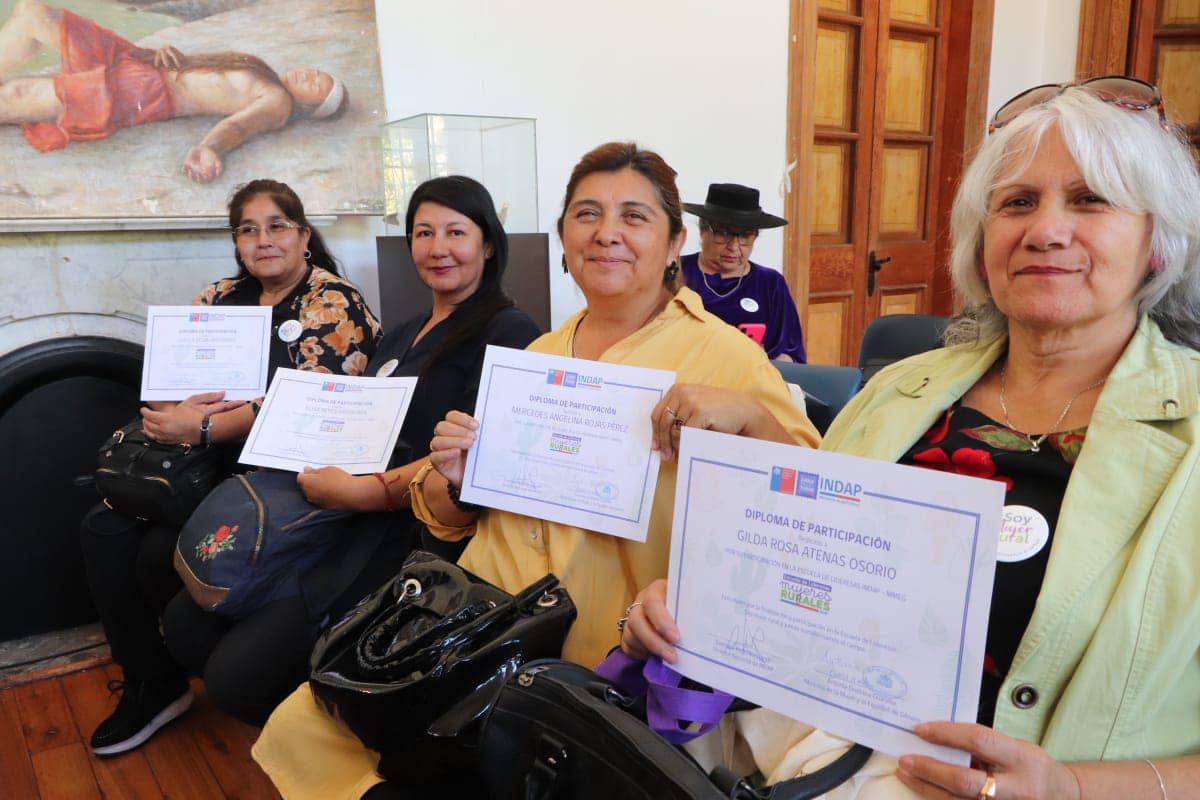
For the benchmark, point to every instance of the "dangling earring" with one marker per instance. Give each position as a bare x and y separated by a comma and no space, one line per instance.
670,273
307,255
564,263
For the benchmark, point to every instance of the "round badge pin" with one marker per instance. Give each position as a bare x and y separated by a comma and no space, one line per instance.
1023,533
290,330
387,368
749,304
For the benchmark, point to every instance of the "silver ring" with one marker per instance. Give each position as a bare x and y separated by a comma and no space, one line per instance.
628,610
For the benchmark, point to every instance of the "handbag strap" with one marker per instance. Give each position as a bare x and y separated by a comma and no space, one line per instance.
669,707
805,787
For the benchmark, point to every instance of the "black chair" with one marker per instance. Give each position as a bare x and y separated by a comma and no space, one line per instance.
896,336
826,388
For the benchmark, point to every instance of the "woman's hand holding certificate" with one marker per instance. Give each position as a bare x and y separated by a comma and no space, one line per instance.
563,439
317,420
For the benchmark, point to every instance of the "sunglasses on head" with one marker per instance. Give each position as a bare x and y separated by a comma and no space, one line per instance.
1129,93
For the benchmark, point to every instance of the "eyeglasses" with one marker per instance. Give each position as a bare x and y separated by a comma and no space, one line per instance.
724,236
274,229
1119,90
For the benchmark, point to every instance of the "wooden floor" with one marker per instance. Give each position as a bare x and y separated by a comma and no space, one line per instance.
44,728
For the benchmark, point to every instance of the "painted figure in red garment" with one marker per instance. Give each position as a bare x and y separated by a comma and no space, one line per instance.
108,83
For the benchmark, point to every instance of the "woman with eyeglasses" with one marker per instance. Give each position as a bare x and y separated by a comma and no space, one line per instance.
1073,376
320,322
752,298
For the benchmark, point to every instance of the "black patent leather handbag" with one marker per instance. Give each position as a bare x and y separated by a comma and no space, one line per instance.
421,644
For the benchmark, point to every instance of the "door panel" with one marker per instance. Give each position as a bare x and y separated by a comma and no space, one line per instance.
1177,74
826,327
834,95
902,190
832,166
1180,12
906,105
899,301
920,11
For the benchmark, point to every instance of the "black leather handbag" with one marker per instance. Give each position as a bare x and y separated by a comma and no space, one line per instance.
558,731
397,665
161,483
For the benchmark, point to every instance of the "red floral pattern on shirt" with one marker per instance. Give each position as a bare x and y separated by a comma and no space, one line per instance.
963,461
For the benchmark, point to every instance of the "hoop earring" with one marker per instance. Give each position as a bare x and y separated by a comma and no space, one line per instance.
671,272
307,255
564,264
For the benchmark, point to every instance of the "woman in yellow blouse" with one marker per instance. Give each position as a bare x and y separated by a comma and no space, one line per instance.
622,231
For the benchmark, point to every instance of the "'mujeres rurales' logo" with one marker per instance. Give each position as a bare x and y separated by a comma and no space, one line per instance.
806,594
811,485
564,443
572,380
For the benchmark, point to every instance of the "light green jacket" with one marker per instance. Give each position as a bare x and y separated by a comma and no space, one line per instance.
1113,647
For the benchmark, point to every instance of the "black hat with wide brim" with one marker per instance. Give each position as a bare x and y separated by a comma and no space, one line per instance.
736,206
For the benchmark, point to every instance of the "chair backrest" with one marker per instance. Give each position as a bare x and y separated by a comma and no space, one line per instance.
826,388
896,336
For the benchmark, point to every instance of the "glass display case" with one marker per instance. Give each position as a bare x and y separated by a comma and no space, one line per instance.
499,152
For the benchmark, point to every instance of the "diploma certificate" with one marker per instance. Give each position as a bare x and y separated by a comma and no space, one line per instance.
566,439
846,593
195,349
313,419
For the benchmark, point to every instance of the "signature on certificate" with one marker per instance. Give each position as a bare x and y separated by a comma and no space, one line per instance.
745,638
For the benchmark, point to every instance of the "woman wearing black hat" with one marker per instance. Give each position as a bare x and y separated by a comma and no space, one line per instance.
753,298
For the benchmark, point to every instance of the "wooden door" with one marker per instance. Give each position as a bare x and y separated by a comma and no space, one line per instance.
1155,40
878,104
1166,52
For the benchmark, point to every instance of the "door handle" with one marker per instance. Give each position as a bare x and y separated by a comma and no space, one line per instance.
874,265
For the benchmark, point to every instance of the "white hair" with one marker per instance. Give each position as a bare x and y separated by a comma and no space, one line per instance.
1125,156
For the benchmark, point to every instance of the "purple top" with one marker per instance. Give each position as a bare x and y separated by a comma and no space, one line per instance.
762,298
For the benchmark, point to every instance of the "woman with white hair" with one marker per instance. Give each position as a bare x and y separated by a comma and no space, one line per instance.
1072,375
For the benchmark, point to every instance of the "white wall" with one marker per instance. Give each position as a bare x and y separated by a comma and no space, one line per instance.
1033,42
703,82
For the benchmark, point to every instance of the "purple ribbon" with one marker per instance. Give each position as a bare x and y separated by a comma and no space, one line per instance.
669,708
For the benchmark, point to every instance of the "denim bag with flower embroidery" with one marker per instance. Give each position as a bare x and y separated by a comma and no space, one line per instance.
250,540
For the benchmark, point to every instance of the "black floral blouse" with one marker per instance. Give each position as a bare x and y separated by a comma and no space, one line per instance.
967,442
338,331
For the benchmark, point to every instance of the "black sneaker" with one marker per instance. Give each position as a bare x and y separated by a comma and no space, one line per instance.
141,711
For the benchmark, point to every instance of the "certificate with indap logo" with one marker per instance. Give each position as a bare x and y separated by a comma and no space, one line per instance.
845,593
566,439
313,419
195,349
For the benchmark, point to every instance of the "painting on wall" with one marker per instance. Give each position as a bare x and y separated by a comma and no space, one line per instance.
159,109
